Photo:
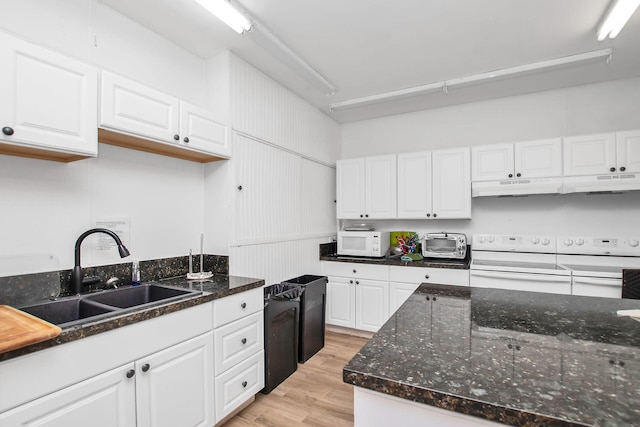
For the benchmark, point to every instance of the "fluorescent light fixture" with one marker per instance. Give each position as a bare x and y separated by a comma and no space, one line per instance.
224,11
265,38
616,18
487,77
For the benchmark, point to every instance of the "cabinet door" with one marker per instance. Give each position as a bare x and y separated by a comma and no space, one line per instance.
175,386
107,400
350,188
49,100
414,185
138,109
492,162
380,187
538,159
372,304
199,130
451,183
341,297
589,154
628,149
399,293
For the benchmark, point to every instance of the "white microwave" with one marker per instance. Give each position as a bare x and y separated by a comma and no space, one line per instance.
363,243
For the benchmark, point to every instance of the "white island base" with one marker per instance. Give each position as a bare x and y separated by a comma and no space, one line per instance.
374,409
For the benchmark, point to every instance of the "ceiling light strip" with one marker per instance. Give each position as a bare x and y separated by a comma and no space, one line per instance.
224,11
444,85
616,18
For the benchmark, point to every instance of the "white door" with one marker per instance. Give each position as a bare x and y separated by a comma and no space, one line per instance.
399,293
414,185
48,100
350,188
107,400
628,148
451,183
492,162
538,159
589,154
138,109
380,184
372,304
200,130
341,297
175,386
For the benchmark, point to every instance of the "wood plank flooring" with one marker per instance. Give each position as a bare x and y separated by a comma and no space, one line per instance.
313,396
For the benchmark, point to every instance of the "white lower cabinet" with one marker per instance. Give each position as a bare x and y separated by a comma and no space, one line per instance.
108,400
341,302
239,350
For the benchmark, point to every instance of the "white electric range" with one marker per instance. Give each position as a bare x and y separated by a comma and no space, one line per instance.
596,263
518,262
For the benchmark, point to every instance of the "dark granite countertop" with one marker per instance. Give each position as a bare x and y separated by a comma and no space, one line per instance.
431,263
519,358
218,286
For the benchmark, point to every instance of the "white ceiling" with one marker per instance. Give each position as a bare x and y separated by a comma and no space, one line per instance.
367,47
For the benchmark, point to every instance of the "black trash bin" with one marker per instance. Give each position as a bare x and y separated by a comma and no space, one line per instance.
281,317
312,314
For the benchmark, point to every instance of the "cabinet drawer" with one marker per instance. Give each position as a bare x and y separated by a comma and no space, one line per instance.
238,384
238,340
234,307
353,270
445,276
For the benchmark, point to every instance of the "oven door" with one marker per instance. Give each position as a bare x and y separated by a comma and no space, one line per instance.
532,282
597,287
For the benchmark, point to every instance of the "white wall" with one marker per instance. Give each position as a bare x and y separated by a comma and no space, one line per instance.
578,110
45,206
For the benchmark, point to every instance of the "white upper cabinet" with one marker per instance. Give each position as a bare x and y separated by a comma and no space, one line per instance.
150,120
628,151
528,159
132,107
590,154
366,187
435,184
49,103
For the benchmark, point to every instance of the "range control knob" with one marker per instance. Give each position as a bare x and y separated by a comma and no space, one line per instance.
481,239
491,239
545,241
579,242
633,243
568,242
535,240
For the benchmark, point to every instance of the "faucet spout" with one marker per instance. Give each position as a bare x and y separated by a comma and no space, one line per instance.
76,274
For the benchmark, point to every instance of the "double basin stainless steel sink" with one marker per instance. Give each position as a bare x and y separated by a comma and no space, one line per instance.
70,311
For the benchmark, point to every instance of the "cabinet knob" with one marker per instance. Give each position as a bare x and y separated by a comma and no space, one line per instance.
244,384
130,373
428,298
176,137
428,215
7,130
350,281
354,271
366,215
186,139
244,340
361,215
435,215
145,367
510,175
243,305
426,276
357,282
612,169
622,169
518,174
433,299
240,187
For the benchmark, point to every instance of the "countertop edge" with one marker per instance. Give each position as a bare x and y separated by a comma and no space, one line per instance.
125,319
462,405
396,262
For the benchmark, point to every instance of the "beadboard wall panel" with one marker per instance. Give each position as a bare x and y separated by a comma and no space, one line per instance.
265,109
317,197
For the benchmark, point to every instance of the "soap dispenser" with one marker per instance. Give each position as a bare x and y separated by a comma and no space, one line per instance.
135,273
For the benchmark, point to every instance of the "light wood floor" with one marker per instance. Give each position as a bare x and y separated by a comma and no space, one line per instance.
313,396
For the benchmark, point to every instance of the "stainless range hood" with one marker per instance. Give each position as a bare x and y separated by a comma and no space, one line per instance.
517,187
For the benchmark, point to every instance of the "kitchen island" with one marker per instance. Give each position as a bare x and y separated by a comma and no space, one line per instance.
469,356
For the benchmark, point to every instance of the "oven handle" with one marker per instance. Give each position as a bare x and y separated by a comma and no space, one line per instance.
598,281
519,276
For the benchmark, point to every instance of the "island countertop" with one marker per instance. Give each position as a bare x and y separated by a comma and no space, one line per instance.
519,358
